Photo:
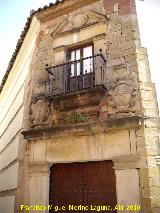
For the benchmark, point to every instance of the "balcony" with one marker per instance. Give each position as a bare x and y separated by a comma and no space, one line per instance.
78,75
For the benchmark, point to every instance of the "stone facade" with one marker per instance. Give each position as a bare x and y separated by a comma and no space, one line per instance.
118,121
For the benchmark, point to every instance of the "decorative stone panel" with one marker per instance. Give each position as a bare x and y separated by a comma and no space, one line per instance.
78,19
39,111
122,89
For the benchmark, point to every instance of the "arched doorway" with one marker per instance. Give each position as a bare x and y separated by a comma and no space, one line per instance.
82,187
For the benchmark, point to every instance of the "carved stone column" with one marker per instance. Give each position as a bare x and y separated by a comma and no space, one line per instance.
39,185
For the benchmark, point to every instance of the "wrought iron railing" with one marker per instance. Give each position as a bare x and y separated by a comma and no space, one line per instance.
76,75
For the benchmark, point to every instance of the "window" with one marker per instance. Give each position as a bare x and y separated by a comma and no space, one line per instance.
80,68
82,61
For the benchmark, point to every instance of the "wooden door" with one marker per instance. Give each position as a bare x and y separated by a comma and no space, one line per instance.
87,184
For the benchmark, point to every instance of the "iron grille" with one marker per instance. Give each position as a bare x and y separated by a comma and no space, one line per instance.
63,78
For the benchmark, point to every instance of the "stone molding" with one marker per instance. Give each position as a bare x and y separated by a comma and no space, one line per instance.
37,168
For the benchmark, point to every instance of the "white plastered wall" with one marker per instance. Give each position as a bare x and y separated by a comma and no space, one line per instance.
11,120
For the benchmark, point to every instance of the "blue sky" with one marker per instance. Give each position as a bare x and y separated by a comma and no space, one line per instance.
13,15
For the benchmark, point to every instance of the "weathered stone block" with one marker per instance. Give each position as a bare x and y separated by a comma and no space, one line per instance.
152,150
117,54
150,103
154,182
156,210
151,132
151,161
152,141
155,202
38,151
140,141
146,86
141,150
147,95
125,7
155,191
140,132
152,123
153,172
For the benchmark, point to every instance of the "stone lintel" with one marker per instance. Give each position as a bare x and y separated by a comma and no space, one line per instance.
88,128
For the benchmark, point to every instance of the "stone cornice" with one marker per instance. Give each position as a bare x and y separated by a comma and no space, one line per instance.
89,128
60,10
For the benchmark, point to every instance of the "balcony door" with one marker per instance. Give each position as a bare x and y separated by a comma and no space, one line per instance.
80,71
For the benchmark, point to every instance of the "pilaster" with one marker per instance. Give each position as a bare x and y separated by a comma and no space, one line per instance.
127,185
39,185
